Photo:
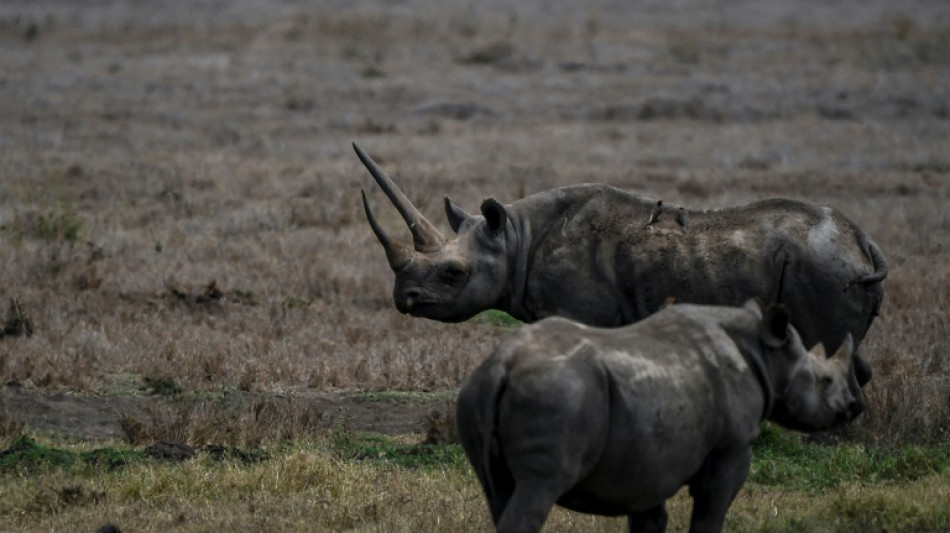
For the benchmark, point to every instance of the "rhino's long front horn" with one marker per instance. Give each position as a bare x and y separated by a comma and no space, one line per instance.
425,236
397,254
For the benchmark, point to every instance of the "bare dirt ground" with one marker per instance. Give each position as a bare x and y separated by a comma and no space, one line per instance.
179,201
99,418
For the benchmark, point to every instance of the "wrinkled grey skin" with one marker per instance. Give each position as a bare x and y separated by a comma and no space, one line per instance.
607,257
615,421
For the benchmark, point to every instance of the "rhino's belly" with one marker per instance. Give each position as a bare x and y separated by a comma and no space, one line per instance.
634,484
630,500
584,502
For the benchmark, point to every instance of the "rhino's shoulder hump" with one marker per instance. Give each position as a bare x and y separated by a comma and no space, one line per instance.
548,332
702,327
783,204
585,192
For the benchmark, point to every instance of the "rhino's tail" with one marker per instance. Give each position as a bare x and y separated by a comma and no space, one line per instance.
877,260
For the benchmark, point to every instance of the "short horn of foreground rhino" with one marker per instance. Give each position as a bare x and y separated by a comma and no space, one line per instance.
615,421
608,257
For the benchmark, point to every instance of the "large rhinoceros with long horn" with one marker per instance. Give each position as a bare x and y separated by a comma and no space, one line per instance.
606,257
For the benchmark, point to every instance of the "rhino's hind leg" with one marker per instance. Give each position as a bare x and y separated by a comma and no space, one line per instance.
501,487
715,486
650,521
528,508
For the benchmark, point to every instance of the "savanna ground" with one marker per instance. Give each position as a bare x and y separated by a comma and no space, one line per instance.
185,268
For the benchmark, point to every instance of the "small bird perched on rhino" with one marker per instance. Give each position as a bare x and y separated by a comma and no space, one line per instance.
582,252
615,421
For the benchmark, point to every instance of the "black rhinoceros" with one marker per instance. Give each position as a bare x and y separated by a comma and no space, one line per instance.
615,421
605,257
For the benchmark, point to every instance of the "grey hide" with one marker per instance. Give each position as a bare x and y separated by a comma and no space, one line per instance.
615,421
606,257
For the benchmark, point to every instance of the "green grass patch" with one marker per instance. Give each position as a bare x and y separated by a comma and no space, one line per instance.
294,302
59,224
500,319
372,71
28,455
783,458
387,451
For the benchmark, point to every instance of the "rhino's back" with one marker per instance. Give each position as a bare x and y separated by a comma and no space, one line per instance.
672,353
766,249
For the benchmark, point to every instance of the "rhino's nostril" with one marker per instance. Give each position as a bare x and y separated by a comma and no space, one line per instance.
410,299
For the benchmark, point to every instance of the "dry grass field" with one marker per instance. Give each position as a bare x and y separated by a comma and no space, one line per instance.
183,253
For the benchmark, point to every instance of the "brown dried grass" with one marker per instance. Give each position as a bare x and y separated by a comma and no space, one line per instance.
217,148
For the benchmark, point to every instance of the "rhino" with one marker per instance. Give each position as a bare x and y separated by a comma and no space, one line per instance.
613,421
607,257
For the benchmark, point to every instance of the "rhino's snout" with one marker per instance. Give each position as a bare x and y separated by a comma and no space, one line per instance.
410,300
850,412
402,306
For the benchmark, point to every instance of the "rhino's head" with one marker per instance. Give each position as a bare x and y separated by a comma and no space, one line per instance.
817,396
449,280
812,390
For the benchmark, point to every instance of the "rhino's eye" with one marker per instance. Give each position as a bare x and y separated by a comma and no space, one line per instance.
454,274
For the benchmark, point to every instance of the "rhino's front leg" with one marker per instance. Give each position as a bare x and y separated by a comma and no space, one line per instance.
650,521
715,486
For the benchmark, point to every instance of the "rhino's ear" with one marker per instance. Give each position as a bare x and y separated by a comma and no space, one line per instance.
496,218
775,326
455,215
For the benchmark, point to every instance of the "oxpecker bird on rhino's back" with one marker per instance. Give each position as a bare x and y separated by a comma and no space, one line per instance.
615,421
607,257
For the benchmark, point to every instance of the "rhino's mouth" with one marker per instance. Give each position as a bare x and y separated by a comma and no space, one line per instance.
414,305
418,308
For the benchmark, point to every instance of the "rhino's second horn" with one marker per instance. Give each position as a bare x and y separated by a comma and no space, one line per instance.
398,255
425,237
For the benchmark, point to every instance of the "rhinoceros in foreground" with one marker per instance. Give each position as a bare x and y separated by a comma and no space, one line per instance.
615,421
607,257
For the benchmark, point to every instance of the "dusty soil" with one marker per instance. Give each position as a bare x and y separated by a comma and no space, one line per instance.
98,418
